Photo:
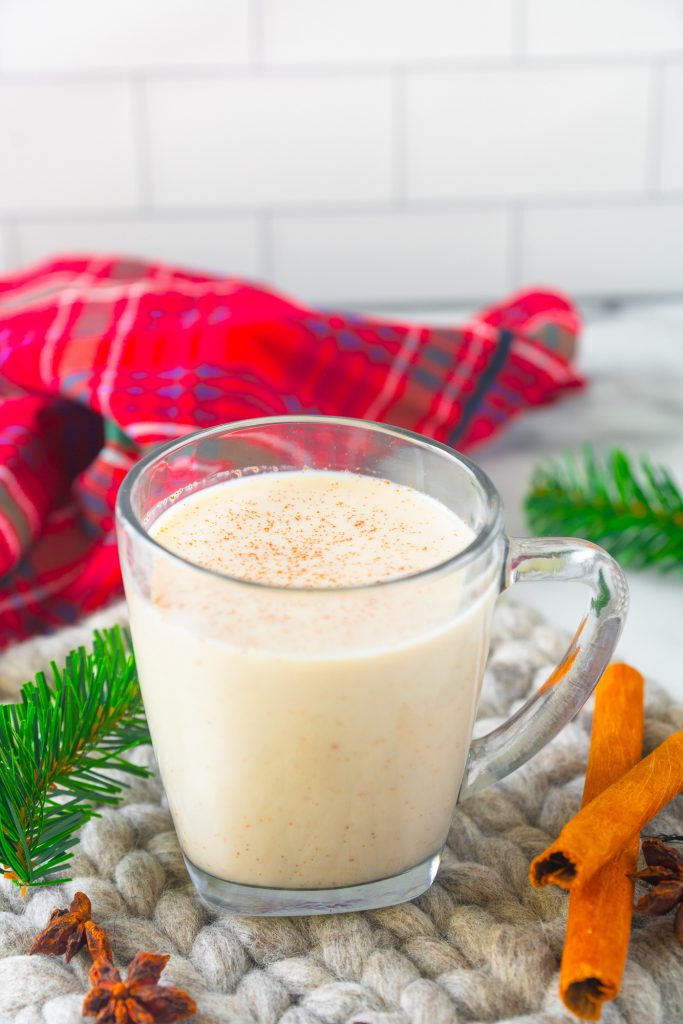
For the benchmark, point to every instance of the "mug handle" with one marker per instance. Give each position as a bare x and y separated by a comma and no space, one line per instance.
530,559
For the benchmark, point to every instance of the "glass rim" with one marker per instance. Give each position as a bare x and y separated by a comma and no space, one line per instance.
485,536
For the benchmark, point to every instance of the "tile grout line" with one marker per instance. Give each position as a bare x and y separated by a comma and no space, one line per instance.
515,215
519,40
13,243
470,301
414,206
143,157
399,149
257,34
343,69
266,247
655,141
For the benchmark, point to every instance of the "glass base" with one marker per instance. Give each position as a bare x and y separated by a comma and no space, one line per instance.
265,902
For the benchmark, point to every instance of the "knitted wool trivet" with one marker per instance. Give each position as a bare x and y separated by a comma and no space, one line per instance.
481,945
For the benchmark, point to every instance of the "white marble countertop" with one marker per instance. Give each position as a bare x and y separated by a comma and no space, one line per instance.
633,358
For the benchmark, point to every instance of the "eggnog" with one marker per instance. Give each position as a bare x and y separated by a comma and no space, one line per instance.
311,729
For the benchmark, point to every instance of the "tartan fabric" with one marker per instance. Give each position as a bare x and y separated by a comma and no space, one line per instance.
102,356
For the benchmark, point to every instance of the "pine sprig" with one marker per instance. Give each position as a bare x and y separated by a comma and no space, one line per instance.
58,747
635,512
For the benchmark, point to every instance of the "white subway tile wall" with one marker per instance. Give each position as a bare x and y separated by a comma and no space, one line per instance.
606,251
526,132
67,146
255,140
371,152
391,257
617,27
387,30
84,35
220,243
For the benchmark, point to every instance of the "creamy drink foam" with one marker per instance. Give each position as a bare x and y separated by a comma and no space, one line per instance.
309,738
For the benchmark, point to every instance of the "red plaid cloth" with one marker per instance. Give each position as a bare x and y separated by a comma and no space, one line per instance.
102,356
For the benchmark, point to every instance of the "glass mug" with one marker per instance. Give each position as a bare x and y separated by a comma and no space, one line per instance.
314,742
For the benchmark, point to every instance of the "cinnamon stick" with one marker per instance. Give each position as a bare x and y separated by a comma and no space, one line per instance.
603,827
600,910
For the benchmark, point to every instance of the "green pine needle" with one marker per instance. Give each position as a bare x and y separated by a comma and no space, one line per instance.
58,747
635,512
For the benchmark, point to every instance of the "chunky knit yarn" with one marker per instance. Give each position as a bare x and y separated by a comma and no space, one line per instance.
480,946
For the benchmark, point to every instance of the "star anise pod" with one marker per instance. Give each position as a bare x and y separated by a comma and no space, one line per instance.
664,874
69,930
140,999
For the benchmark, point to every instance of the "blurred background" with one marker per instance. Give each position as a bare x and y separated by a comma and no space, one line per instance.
399,156
365,152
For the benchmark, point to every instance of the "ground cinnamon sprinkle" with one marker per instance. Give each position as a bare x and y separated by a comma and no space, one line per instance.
248,529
